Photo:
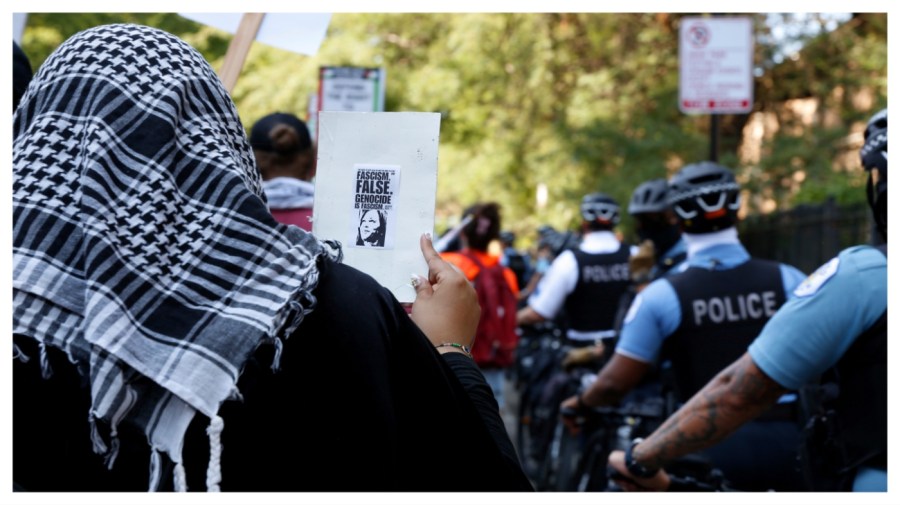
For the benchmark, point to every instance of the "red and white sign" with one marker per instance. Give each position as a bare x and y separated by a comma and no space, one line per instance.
716,65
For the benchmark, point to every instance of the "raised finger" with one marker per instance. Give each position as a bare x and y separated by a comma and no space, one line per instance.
436,264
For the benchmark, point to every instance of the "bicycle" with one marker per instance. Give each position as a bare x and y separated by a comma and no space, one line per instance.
543,385
538,356
605,429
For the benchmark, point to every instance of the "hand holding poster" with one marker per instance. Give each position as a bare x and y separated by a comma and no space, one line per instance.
375,191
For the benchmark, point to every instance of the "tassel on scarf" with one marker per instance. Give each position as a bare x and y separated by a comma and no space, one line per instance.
214,472
19,354
46,369
276,360
155,469
180,478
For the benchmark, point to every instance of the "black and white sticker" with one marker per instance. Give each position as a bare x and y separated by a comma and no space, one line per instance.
375,189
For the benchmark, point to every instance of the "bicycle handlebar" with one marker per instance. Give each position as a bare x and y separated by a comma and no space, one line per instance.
631,410
676,483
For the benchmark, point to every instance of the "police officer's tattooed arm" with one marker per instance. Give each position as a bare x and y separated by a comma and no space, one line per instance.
736,395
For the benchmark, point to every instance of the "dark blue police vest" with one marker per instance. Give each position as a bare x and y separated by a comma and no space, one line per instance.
861,405
722,311
602,279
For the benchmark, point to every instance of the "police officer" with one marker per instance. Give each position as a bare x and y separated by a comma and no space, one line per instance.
841,313
661,250
585,282
702,318
658,230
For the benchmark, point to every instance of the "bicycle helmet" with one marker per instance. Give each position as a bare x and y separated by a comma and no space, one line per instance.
650,196
705,196
507,237
562,241
873,156
600,208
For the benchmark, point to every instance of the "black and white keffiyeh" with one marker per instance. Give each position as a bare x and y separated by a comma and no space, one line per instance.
289,193
142,242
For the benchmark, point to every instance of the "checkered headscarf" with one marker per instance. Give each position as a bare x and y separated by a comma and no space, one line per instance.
142,242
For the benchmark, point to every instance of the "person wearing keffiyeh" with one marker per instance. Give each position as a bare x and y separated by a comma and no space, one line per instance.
154,294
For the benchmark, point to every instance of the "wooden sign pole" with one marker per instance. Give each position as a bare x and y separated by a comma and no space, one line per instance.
238,49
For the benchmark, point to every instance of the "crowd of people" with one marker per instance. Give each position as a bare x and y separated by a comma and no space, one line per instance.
173,312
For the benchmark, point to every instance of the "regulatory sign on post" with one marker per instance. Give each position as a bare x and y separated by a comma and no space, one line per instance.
716,64
348,89
353,89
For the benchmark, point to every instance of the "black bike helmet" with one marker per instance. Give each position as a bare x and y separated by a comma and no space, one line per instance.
705,196
600,208
650,196
558,242
873,156
507,237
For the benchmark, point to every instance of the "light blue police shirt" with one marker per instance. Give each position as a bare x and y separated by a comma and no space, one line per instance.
656,312
811,332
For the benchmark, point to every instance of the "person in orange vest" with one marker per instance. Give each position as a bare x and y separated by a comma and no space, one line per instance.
496,337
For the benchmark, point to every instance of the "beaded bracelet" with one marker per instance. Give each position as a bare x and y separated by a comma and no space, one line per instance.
461,347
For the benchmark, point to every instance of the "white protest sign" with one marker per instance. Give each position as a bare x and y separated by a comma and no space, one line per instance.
376,181
716,65
299,32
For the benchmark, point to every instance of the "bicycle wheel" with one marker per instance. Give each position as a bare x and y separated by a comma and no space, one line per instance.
525,441
567,461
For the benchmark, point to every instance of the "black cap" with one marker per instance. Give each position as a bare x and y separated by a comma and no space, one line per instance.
259,134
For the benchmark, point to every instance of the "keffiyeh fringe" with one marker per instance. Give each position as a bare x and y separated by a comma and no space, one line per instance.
164,270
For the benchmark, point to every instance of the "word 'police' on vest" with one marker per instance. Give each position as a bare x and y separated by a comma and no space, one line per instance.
373,190
605,273
735,308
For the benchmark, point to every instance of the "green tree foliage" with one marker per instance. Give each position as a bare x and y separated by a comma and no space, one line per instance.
46,31
578,102
844,75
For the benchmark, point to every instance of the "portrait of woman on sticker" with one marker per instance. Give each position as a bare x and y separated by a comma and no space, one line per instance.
372,228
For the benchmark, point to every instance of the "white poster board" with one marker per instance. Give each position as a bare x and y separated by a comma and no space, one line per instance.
716,65
298,32
376,181
20,19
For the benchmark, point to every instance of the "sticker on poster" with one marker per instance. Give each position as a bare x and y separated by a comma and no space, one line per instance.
375,190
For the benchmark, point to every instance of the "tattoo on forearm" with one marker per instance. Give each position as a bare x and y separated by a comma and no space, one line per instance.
736,395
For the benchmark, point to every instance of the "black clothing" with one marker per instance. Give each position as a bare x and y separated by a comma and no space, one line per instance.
602,279
861,405
722,311
846,419
51,436
22,74
361,403
847,425
480,392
